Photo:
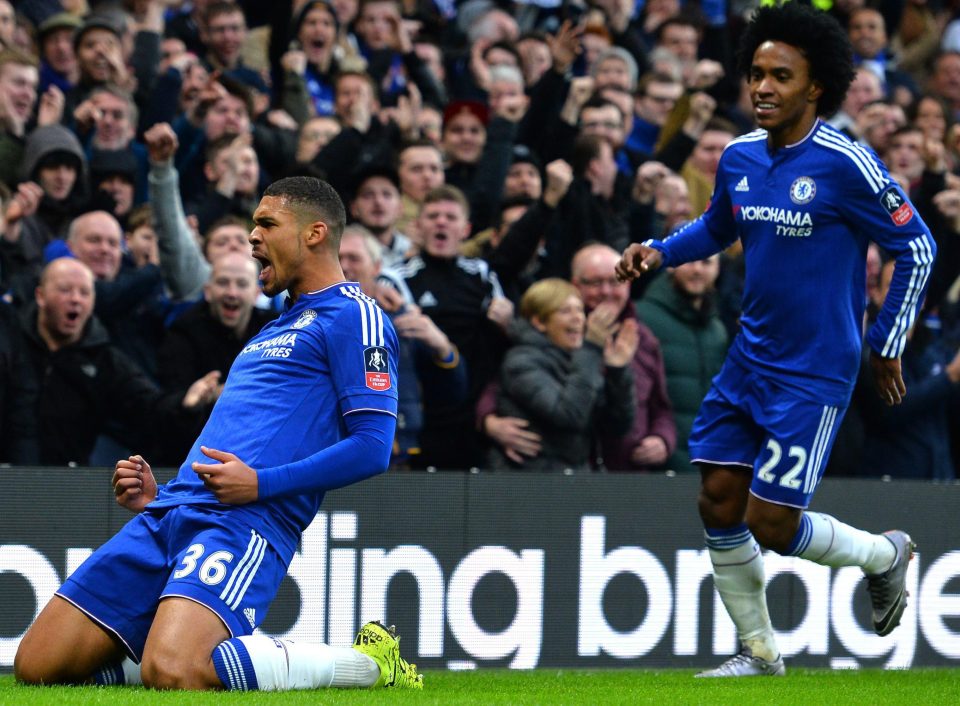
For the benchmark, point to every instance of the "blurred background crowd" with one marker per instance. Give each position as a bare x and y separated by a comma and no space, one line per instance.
495,157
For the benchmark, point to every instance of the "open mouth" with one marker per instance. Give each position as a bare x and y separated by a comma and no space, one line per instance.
266,267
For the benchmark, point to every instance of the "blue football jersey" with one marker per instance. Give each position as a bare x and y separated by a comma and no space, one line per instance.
331,353
805,215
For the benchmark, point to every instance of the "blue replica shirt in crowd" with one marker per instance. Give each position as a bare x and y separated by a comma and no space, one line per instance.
331,354
805,215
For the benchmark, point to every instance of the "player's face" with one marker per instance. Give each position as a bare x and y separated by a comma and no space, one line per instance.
277,240
783,94
564,327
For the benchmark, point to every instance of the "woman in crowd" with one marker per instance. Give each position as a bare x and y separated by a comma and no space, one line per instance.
567,375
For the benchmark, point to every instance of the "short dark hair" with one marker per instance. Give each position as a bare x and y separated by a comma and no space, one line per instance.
216,9
817,35
315,200
586,148
598,101
240,90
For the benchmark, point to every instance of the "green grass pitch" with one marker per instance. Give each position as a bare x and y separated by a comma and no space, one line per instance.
806,687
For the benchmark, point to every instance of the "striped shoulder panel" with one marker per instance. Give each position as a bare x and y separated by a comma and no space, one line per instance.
858,155
371,316
754,136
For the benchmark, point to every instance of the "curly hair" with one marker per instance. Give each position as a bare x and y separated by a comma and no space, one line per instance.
818,36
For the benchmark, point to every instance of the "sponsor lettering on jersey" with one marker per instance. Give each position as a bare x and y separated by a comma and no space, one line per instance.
774,214
376,368
896,205
287,340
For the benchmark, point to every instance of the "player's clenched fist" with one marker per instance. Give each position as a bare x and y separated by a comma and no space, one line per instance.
133,483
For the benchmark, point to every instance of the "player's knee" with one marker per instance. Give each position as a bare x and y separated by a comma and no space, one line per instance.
717,511
775,536
172,672
25,670
30,668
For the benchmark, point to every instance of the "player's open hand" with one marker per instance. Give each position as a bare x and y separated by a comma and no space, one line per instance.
636,260
133,483
230,480
888,379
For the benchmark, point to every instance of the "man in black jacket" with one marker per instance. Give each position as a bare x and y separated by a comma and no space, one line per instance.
83,381
207,337
463,297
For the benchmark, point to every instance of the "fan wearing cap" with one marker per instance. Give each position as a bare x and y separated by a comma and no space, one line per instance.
523,185
113,176
477,152
58,59
54,159
102,44
514,247
98,44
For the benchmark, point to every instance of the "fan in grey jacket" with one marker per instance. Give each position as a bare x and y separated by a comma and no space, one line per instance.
566,383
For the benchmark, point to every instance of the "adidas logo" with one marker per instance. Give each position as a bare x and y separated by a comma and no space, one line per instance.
251,615
427,299
742,185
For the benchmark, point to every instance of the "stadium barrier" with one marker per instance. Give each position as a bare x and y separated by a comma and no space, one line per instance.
530,570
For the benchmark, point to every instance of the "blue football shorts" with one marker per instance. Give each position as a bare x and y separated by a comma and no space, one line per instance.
200,553
748,420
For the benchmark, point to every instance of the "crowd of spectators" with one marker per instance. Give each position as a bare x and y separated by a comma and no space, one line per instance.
495,157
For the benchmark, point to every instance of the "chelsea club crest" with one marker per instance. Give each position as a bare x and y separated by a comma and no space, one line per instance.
305,318
802,190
